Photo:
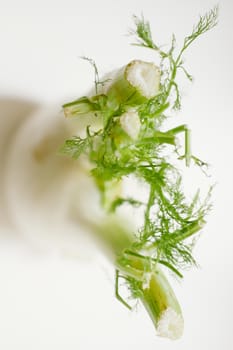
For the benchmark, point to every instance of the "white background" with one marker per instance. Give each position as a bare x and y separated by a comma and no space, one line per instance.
52,302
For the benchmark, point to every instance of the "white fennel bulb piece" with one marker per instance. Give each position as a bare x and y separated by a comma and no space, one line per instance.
145,76
171,324
130,123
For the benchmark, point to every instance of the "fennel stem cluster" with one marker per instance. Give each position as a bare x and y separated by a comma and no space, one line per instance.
126,139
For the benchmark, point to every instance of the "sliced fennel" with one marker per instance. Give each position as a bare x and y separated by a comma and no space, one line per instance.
126,138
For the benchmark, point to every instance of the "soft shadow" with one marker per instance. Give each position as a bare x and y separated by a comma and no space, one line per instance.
12,112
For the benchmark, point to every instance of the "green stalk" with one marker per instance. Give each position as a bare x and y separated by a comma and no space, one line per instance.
82,106
145,277
162,305
188,153
189,231
149,205
134,84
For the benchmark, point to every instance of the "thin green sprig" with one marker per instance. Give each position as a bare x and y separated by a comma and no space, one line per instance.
173,62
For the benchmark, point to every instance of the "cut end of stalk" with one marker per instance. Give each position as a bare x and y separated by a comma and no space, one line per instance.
171,324
130,123
144,76
77,107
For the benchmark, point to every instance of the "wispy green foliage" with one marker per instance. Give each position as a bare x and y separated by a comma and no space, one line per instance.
75,147
98,83
171,60
205,23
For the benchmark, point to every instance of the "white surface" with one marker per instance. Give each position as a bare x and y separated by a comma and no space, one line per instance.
50,302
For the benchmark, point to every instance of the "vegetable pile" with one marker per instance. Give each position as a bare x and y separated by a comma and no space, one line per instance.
126,140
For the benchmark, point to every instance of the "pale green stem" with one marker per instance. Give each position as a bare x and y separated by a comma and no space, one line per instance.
187,133
154,290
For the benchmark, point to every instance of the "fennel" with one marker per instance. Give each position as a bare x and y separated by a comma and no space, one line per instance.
128,140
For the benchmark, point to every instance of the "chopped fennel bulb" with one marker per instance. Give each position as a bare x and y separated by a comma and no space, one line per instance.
130,142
